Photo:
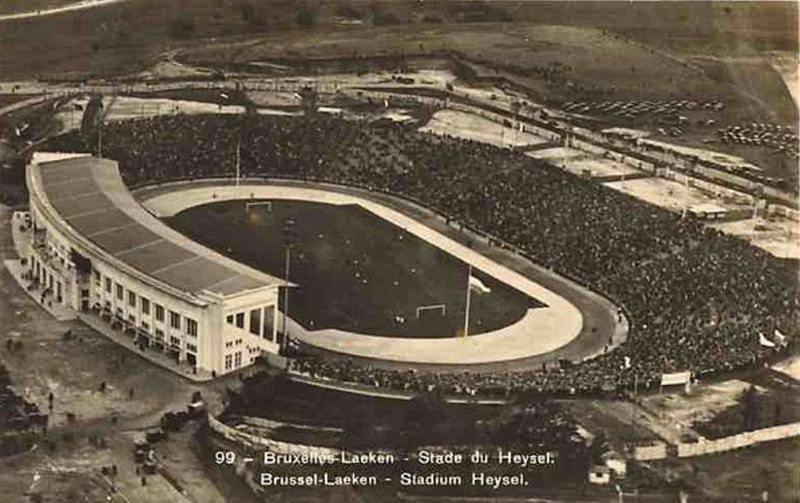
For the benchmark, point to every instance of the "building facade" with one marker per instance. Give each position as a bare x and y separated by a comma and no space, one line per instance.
95,250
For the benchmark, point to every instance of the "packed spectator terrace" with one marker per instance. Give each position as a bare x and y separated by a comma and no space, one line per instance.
698,299
779,138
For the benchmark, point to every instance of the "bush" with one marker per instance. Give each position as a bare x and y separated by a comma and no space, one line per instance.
306,16
15,443
183,26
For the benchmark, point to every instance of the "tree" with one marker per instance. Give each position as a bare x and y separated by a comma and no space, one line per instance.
248,13
750,408
598,448
537,424
306,16
183,25
424,414
92,115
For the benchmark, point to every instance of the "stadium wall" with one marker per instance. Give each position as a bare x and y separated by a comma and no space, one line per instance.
261,444
746,439
107,289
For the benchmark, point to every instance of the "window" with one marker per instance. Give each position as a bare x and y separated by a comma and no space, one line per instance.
96,275
229,319
119,292
191,327
255,321
228,361
108,285
145,326
145,306
175,342
237,359
269,322
191,347
159,313
159,334
131,299
174,320
240,320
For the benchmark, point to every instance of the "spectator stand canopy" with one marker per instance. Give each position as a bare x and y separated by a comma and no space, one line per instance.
88,195
98,252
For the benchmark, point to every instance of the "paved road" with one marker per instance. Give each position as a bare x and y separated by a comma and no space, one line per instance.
83,4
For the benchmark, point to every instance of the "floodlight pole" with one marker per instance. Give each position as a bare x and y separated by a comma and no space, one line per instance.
238,161
286,295
755,217
469,292
288,240
100,140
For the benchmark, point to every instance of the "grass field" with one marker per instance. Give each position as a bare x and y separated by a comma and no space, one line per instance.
355,271
609,50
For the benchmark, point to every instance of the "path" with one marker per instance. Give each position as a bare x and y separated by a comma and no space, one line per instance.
83,4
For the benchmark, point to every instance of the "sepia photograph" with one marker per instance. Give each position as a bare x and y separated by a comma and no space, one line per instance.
414,251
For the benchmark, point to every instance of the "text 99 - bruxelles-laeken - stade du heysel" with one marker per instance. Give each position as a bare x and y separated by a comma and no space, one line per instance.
261,250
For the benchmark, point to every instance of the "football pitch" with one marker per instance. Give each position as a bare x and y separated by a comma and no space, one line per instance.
355,271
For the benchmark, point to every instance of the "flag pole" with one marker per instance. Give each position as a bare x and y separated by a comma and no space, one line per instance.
238,174
469,292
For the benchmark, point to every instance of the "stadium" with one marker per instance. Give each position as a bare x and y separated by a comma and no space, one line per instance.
639,273
338,250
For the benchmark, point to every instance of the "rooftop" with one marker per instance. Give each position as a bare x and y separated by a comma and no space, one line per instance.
89,194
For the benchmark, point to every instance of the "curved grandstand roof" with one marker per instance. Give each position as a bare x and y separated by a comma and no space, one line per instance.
89,195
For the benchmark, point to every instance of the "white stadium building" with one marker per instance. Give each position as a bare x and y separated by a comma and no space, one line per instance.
97,251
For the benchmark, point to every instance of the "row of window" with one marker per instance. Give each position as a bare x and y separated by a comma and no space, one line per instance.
233,361
256,326
144,304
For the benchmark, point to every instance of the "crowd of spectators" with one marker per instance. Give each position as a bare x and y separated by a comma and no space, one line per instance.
781,139
697,299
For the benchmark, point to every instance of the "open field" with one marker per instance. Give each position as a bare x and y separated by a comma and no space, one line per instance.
669,194
349,282
136,32
471,127
687,50
582,163
748,472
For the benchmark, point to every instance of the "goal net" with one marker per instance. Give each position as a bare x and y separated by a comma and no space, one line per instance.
267,205
432,309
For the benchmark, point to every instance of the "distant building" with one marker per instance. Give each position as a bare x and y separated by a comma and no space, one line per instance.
600,474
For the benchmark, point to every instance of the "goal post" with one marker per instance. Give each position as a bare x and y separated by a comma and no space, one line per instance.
255,204
442,308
